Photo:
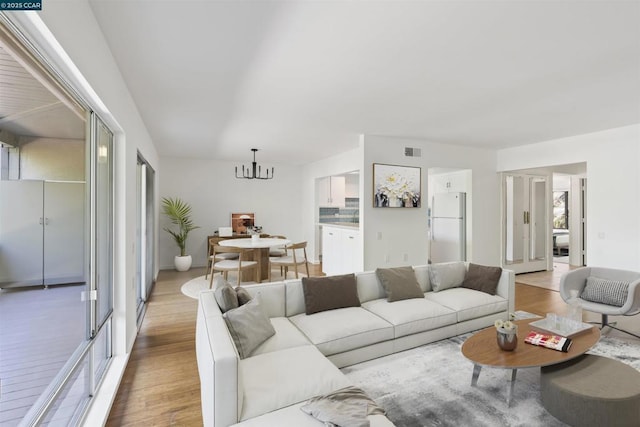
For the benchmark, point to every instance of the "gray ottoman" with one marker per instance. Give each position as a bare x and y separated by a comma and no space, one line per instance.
592,391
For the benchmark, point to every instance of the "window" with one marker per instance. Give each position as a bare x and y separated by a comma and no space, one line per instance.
561,210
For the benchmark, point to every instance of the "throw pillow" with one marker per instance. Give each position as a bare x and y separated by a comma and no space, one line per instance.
243,295
399,283
446,275
482,278
249,327
329,293
225,294
604,291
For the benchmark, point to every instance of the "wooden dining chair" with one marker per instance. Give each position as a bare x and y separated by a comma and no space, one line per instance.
224,266
298,256
219,257
277,251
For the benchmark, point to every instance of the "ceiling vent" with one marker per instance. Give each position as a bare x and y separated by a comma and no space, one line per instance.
412,152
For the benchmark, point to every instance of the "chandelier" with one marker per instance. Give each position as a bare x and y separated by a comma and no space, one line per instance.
255,172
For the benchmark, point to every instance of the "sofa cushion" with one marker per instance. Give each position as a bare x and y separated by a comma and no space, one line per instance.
447,275
329,293
422,275
294,297
278,379
249,327
369,287
468,303
272,297
482,278
224,293
412,316
399,283
605,291
344,329
286,336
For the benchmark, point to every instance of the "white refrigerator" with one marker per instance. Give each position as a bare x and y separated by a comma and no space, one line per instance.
448,228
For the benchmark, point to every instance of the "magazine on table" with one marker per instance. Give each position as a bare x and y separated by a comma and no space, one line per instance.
555,342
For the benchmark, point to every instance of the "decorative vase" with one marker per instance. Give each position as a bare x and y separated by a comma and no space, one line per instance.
507,338
182,263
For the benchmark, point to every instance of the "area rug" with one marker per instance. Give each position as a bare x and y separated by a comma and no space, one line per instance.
193,287
431,386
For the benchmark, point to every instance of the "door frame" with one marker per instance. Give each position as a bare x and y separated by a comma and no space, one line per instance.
527,265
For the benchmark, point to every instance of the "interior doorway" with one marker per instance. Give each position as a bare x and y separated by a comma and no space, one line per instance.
544,224
525,222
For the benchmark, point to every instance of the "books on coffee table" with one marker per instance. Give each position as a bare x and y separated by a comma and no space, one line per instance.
555,342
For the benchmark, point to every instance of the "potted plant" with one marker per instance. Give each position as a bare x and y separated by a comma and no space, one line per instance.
179,212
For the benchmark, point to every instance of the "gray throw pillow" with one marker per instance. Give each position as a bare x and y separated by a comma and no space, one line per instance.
243,295
447,275
604,291
329,293
399,283
482,278
249,327
225,294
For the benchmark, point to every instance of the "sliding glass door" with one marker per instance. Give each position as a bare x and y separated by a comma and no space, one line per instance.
55,343
145,236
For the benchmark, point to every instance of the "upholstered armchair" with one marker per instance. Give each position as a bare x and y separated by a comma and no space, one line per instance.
602,290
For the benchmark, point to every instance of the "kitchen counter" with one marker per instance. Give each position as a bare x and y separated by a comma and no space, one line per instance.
347,225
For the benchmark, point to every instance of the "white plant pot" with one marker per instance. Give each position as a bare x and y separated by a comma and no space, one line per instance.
182,263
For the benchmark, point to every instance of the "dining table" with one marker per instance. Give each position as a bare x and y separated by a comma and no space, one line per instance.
261,247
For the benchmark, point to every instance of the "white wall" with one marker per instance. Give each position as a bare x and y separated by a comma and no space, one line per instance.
613,188
213,191
52,159
404,231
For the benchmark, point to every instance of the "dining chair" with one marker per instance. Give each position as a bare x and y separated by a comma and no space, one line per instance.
219,257
277,251
298,257
226,265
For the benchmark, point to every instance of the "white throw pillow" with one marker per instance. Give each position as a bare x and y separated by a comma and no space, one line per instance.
447,275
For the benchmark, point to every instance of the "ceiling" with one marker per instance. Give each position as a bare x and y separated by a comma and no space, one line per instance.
29,108
300,80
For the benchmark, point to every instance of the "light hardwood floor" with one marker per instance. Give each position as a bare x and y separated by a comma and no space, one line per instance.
161,385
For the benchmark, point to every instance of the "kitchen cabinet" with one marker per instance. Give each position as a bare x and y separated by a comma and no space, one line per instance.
331,191
341,250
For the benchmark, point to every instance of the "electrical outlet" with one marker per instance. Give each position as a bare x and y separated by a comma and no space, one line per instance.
386,258
379,235
405,257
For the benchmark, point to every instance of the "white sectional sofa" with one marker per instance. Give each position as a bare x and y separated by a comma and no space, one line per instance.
302,359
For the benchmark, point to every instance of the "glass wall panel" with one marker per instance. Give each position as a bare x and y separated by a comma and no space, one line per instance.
103,220
68,407
101,353
55,344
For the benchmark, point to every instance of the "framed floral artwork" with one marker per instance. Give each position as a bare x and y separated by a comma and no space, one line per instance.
396,186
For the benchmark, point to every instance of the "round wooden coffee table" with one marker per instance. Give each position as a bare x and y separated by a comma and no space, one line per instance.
482,349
